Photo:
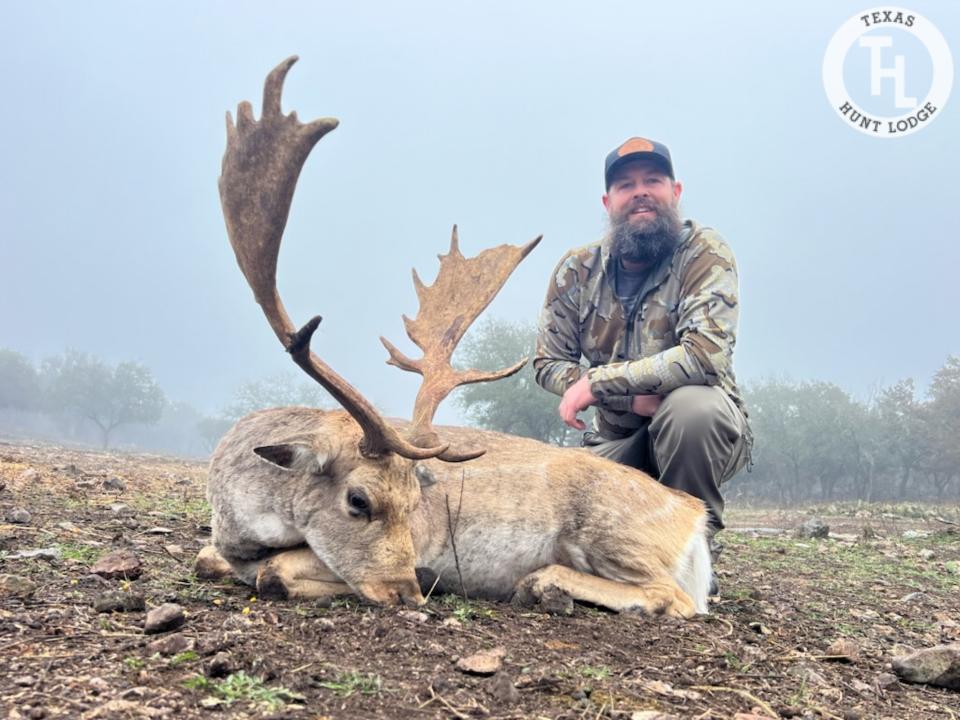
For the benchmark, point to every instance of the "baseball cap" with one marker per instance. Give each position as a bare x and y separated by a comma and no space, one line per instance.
637,148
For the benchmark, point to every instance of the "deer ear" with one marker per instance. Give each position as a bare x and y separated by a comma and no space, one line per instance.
295,457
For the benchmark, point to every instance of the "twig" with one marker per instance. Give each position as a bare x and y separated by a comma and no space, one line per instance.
742,693
947,522
432,587
452,524
434,695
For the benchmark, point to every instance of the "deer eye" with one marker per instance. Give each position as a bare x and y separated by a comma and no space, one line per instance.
358,503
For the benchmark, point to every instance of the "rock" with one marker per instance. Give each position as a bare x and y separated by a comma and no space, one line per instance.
120,509
158,531
98,685
16,586
118,601
18,516
886,681
28,476
48,554
503,690
414,615
926,554
914,534
114,483
844,649
168,616
939,665
910,597
25,681
814,528
652,715
220,665
452,622
210,565
171,644
119,564
485,662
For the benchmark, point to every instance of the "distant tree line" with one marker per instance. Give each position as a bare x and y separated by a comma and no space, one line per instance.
813,440
80,398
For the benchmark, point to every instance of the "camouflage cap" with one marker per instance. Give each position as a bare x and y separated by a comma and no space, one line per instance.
637,148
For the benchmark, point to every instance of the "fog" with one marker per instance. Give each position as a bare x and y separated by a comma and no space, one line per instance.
495,116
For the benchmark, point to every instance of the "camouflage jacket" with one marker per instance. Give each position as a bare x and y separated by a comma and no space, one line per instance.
682,331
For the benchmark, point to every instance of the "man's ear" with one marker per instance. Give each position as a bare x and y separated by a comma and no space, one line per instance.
606,202
677,189
294,457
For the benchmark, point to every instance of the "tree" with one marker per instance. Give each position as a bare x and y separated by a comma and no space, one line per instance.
19,384
107,396
942,426
901,429
515,405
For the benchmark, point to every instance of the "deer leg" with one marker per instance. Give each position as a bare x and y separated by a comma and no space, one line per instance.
660,595
298,574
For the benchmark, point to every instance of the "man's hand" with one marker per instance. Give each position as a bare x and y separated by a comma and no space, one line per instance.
645,405
577,397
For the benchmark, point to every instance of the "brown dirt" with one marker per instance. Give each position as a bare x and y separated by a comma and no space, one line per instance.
762,650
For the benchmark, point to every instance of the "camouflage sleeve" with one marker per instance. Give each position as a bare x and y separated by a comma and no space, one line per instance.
706,330
557,360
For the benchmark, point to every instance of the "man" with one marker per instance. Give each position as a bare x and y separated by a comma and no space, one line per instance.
653,308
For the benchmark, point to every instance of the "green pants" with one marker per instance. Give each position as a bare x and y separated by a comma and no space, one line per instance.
697,440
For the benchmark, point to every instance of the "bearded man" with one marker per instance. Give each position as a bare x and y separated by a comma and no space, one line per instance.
652,308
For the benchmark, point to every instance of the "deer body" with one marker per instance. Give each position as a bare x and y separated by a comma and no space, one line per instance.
519,509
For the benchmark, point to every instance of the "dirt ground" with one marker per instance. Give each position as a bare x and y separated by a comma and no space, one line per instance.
763,651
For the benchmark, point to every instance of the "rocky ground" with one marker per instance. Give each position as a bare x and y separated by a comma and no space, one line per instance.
805,627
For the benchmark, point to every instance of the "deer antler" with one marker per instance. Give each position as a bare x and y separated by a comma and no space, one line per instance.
463,289
260,169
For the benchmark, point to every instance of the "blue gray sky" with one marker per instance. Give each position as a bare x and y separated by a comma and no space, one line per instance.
493,115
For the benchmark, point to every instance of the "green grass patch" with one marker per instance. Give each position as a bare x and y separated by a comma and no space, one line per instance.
601,672
184,657
348,683
465,610
86,554
242,687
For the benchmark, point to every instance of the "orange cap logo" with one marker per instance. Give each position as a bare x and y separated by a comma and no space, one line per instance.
635,145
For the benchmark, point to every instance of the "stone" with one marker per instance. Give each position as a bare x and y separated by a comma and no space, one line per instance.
171,645
119,601
926,554
118,564
814,528
911,597
844,649
939,665
28,476
503,690
220,665
168,616
25,681
485,662
210,565
652,715
18,516
98,685
413,615
16,586
914,534
886,681
114,483
120,509
49,554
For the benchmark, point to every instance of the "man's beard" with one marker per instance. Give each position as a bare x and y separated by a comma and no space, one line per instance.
647,243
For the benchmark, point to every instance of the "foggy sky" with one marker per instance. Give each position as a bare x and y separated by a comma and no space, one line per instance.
492,115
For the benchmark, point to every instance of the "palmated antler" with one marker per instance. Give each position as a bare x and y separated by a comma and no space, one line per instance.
260,169
463,289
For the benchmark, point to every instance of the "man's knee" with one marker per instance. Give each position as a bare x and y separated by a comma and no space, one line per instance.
696,411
